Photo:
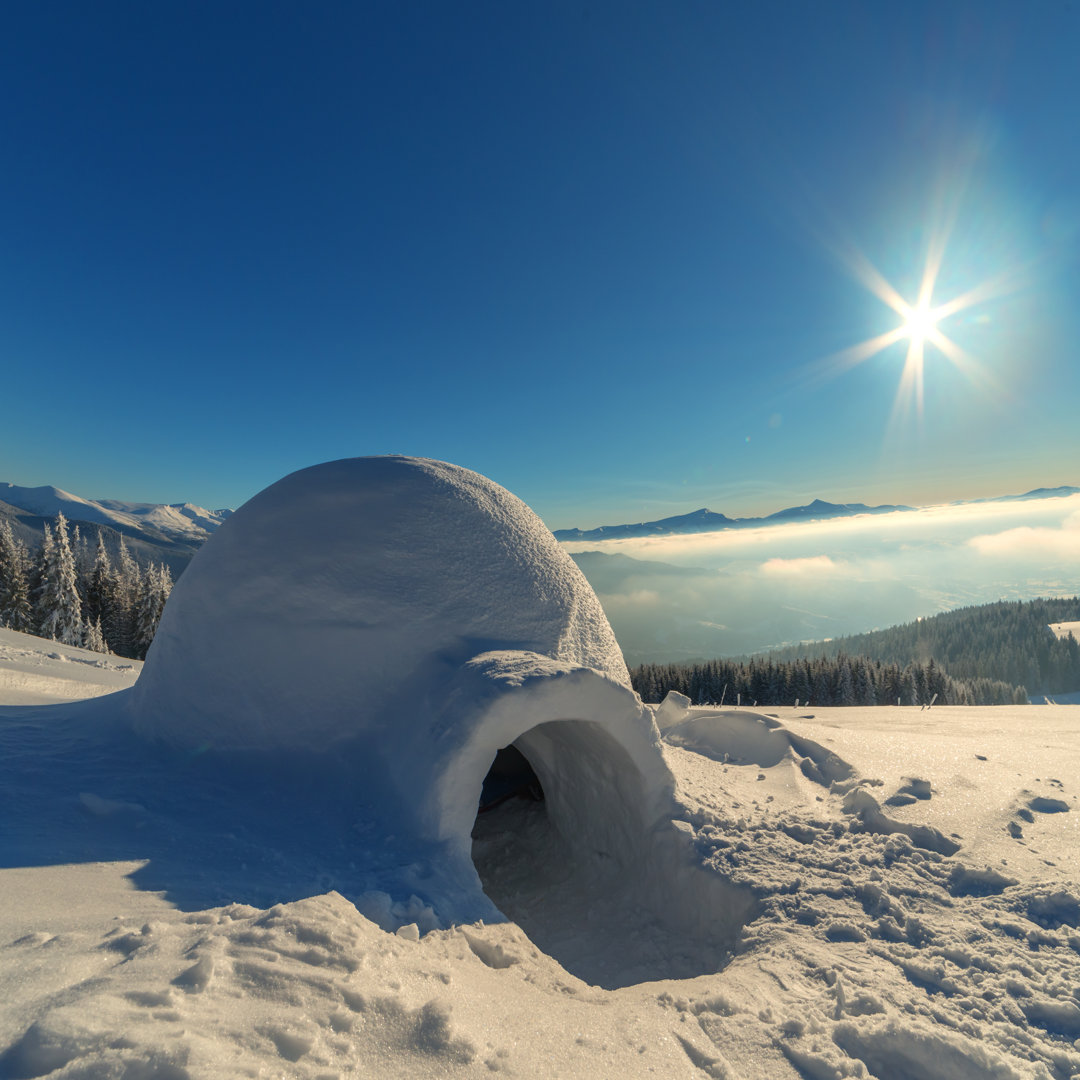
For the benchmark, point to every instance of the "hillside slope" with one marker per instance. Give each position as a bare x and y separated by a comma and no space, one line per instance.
1008,640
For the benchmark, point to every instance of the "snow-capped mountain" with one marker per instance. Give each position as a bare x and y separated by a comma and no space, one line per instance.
177,521
153,532
709,521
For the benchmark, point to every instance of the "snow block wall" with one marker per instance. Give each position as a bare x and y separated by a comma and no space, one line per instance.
410,617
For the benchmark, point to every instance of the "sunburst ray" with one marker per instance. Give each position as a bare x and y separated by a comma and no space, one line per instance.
920,321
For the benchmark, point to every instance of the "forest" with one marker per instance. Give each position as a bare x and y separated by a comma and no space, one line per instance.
823,681
64,592
992,654
1007,640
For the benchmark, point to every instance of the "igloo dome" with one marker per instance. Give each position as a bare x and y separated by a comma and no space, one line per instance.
346,589
412,619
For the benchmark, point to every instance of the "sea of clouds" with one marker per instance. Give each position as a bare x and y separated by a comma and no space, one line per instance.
743,590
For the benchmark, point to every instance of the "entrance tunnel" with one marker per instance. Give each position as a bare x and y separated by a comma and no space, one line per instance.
561,849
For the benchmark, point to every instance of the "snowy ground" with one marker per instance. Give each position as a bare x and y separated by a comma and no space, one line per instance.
36,673
883,892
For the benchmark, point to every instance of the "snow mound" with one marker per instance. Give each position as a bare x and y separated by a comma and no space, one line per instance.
741,737
432,622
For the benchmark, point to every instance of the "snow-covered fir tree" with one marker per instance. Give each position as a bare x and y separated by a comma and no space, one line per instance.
154,590
81,553
93,638
118,619
59,610
16,609
100,588
38,572
62,593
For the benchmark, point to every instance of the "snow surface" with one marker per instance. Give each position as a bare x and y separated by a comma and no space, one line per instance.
170,927
864,892
37,673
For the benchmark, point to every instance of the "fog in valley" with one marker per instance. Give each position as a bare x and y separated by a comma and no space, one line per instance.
744,590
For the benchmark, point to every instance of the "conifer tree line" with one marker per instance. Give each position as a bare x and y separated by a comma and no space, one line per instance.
1008,640
66,592
991,654
821,682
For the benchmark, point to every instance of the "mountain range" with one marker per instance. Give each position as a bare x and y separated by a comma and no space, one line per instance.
153,532
173,532
703,520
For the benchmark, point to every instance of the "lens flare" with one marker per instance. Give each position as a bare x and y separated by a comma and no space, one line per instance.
920,324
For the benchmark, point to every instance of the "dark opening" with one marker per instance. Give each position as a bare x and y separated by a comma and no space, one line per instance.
510,777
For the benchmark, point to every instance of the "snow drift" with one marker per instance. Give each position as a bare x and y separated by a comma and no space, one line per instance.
437,621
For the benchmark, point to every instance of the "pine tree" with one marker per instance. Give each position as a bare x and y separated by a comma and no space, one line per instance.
154,590
864,682
16,609
845,684
821,692
118,619
101,587
59,609
93,638
39,574
909,686
81,555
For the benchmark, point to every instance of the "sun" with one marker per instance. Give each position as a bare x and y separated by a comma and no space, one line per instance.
920,322
920,325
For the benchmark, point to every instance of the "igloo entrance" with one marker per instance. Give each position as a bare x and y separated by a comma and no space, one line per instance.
614,902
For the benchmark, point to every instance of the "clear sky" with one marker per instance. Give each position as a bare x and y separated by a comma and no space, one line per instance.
601,252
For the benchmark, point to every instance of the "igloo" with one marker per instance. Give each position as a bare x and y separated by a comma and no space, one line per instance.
413,618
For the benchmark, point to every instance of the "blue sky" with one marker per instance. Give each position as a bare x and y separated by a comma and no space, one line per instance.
600,252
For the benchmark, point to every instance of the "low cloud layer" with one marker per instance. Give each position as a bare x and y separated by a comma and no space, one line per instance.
724,593
1030,542
794,568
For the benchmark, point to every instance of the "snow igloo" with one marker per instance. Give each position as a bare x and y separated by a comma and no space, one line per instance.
418,621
